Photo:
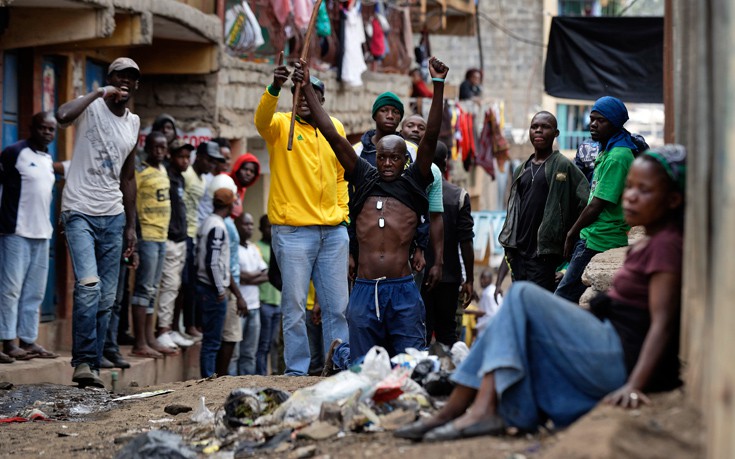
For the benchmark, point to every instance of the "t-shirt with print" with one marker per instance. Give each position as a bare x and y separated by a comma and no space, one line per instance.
193,192
609,230
26,185
251,261
102,143
153,203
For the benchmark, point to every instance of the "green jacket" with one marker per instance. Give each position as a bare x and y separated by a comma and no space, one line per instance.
568,194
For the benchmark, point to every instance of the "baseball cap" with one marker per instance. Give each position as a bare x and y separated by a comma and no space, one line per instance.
178,144
223,197
316,82
210,149
122,63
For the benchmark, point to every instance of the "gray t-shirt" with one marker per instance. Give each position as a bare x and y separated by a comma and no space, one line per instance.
102,142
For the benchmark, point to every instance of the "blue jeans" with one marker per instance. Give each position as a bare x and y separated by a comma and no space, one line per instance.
148,274
270,321
305,253
95,247
549,358
571,286
213,321
111,346
23,272
248,347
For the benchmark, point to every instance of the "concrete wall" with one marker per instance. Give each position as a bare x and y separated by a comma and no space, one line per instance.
513,69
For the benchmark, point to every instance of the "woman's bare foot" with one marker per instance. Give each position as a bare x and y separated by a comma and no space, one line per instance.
163,349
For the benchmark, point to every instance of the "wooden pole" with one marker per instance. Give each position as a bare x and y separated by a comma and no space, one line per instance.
304,56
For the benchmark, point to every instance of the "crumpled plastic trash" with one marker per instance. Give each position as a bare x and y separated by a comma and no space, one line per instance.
305,404
156,444
244,405
202,414
398,382
459,352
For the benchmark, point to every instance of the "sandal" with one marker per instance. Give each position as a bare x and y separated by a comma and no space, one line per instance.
5,358
18,354
38,351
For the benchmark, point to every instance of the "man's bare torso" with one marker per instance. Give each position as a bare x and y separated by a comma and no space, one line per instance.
385,229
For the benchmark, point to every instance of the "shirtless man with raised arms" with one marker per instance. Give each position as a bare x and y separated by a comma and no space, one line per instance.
385,305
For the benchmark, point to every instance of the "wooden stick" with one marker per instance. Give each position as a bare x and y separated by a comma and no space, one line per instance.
304,56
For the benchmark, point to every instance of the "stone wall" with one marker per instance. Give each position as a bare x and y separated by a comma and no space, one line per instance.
513,69
226,101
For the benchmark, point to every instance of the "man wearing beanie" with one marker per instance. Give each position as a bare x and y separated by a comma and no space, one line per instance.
307,207
213,277
388,112
601,225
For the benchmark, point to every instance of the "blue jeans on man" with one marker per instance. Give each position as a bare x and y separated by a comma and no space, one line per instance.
111,346
148,274
305,253
270,322
23,273
571,286
213,321
248,346
95,247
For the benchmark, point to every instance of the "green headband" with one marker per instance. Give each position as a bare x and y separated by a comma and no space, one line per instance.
672,158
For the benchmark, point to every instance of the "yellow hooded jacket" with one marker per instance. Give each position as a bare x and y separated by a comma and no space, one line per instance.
307,184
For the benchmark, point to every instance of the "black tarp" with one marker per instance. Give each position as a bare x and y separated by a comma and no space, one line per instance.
589,58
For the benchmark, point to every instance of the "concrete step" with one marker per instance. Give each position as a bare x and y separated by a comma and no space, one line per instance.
143,371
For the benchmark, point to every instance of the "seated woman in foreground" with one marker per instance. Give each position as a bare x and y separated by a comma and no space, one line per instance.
543,357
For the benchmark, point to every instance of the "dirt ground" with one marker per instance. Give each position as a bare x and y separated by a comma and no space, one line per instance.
89,425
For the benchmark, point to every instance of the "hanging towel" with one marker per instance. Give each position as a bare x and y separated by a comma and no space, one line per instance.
353,61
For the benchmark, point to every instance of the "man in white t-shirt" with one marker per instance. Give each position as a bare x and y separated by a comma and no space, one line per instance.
98,208
253,272
26,185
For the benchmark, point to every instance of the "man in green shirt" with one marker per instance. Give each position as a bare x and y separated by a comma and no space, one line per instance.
270,302
601,226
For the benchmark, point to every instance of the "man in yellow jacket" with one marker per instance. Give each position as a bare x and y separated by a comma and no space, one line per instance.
307,206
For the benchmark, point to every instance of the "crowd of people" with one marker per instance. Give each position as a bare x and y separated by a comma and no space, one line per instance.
362,245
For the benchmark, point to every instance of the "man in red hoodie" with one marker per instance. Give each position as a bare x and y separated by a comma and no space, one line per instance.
245,172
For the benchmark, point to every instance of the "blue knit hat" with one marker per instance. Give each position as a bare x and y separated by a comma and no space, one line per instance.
613,109
388,98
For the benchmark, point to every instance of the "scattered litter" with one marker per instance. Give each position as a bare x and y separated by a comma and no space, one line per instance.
319,430
278,443
303,452
80,409
397,418
202,414
177,409
156,444
160,421
244,405
6,385
459,352
142,395
34,414
67,434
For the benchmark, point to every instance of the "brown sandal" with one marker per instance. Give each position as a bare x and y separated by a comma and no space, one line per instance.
38,351
19,354
5,358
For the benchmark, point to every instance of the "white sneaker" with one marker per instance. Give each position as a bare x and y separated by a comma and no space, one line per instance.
180,340
166,341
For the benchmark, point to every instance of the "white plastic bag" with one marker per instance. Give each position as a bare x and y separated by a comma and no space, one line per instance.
376,365
202,414
459,352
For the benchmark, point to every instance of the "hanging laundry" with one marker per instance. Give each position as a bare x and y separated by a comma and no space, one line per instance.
377,40
465,137
323,24
302,13
281,9
242,30
353,61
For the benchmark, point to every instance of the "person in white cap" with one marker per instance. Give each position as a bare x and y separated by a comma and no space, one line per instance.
98,207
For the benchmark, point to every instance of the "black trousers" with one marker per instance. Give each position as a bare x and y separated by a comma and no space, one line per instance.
441,307
540,270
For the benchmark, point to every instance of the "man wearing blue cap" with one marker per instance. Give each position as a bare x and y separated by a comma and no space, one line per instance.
307,207
601,225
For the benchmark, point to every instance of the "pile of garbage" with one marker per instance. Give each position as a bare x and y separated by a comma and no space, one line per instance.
379,394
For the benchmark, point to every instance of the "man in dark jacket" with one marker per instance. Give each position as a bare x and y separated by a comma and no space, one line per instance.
546,197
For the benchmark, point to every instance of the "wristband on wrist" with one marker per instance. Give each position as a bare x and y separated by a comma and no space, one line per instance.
104,91
438,80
